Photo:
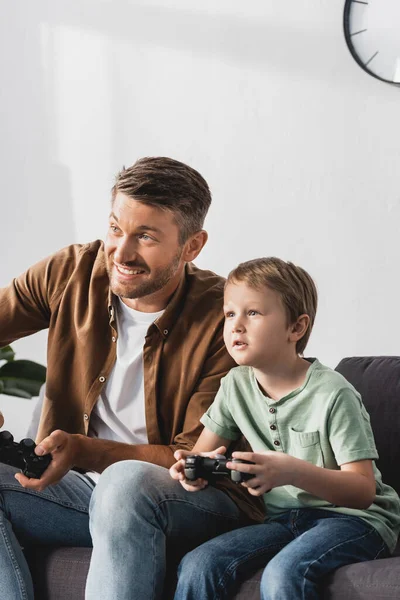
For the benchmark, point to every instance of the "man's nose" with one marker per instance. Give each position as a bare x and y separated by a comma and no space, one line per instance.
125,252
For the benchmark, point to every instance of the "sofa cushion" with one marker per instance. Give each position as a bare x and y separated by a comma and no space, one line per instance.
372,580
59,573
378,381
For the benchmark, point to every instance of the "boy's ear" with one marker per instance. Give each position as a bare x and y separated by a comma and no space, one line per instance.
194,245
298,329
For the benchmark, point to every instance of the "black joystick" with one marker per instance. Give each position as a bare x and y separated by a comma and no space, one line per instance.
208,468
22,455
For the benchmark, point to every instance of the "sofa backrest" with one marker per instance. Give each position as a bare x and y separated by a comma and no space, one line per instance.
377,379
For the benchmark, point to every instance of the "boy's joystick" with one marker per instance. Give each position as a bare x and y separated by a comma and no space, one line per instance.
207,468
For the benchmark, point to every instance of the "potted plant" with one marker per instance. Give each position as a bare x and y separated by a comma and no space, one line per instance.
22,378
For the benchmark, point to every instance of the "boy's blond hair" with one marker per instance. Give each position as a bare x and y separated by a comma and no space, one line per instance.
294,285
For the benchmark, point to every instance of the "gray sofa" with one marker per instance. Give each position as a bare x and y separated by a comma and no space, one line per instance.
60,573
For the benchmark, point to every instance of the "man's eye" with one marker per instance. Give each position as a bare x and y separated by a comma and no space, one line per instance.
145,237
114,228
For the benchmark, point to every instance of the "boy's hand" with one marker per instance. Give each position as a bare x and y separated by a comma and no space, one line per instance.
271,469
177,471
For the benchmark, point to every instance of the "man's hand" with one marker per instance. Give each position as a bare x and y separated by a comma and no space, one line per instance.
271,469
177,470
1,419
63,448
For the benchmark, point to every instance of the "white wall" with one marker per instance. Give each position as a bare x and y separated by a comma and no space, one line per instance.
299,145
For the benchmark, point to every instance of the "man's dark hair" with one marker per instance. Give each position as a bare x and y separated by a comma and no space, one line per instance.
170,185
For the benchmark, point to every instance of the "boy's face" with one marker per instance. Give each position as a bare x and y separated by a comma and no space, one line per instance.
256,330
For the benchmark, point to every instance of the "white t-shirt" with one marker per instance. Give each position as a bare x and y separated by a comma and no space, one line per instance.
119,413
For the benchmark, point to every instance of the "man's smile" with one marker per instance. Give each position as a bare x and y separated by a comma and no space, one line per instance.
128,271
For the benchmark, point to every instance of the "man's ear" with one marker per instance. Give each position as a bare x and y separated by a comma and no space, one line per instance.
194,245
298,329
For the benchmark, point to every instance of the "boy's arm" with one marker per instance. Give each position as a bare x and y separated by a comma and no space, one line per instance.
207,442
353,486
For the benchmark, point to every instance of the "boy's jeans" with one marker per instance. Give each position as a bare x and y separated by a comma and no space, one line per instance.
134,508
299,549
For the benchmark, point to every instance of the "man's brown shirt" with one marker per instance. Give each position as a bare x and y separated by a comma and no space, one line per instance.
184,356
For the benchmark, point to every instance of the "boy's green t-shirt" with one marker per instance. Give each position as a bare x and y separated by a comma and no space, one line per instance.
323,422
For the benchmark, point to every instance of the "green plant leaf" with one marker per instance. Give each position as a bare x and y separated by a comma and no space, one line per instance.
17,392
22,378
7,353
24,369
27,386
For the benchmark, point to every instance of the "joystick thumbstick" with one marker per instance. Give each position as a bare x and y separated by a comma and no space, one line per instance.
27,446
6,438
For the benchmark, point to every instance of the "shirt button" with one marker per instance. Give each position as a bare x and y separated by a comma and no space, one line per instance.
273,427
102,379
114,339
272,410
277,443
165,332
86,417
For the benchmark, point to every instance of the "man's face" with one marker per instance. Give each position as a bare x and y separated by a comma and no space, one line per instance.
143,254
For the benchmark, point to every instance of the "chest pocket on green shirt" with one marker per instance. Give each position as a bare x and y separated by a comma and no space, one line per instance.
305,445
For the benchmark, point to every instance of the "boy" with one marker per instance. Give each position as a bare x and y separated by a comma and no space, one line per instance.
313,449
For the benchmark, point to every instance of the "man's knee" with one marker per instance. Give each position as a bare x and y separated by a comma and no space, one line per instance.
127,489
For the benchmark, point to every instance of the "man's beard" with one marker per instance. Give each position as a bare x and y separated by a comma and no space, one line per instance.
160,277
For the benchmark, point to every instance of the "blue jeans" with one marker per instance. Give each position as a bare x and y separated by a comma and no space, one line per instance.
297,550
57,516
135,511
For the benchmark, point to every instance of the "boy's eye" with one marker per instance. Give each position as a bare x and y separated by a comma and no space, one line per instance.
252,313
228,314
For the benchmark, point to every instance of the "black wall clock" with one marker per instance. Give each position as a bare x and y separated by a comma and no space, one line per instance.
372,32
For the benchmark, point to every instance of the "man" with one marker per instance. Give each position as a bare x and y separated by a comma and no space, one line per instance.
135,356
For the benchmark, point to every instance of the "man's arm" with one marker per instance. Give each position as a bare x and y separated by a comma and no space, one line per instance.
96,455
74,450
92,454
24,307
217,364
